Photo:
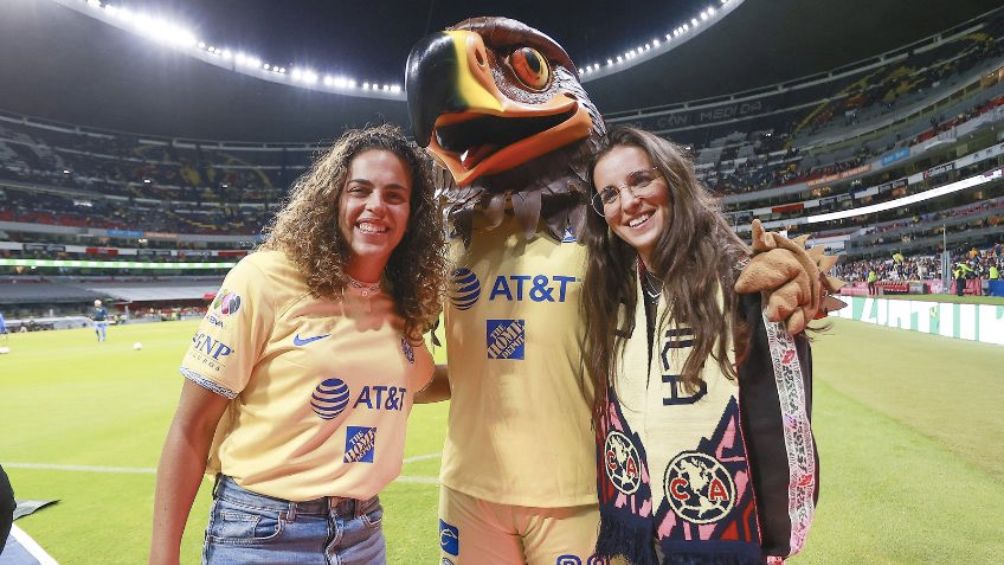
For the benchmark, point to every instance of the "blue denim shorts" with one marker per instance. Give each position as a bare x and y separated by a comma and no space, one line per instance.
246,528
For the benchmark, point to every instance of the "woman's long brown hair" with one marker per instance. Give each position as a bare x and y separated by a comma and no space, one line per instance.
695,255
306,229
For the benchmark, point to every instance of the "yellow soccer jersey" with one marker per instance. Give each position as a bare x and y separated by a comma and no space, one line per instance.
321,390
519,428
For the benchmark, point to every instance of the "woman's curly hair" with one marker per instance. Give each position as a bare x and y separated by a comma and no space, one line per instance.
306,229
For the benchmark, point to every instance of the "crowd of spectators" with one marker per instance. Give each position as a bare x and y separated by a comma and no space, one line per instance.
900,268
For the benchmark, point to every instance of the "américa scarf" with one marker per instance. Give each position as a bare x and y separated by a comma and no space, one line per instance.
727,474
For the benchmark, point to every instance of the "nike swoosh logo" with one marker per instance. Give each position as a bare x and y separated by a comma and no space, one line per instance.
301,341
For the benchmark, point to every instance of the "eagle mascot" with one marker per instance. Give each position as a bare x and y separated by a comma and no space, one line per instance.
499,106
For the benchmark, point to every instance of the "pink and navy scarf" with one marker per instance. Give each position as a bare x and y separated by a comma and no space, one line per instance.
725,474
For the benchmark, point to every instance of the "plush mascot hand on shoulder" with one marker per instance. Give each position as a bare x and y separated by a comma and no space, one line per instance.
500,107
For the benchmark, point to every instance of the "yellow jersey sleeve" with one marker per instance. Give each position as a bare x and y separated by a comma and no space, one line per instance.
233,333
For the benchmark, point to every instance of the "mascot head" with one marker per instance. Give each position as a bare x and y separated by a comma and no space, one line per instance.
499,105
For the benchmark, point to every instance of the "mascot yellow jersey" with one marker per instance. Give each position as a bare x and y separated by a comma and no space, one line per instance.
519,428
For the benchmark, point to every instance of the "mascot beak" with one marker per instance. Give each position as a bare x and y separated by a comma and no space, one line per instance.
460,114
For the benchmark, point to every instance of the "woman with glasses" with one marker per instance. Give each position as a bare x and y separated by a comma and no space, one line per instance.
704,450
300,379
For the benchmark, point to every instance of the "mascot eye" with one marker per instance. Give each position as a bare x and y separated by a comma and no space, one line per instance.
530,67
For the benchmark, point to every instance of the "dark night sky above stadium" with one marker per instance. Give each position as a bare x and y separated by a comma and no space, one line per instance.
355,37
74,69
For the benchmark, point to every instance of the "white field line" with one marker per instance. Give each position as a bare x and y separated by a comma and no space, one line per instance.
153,471
426,457
31,546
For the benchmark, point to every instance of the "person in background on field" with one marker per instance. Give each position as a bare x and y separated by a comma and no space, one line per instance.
959,274
307,365
100,317
872,279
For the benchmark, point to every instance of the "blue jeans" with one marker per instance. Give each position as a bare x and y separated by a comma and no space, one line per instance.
246,528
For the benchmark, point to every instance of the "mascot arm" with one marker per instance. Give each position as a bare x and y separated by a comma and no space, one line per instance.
792,278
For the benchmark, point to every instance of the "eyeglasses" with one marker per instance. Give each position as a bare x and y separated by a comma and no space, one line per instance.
639,185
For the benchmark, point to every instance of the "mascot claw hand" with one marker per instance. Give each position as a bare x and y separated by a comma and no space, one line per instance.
792,278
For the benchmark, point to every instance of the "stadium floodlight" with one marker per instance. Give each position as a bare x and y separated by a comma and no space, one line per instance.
179,37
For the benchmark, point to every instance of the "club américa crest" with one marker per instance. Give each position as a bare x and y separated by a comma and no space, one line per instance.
621,462
699,488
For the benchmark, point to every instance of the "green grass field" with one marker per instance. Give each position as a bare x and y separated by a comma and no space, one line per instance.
907,426
947,298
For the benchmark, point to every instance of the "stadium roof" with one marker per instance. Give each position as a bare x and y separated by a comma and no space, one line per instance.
61,65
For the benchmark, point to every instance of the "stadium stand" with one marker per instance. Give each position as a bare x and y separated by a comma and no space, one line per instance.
902,153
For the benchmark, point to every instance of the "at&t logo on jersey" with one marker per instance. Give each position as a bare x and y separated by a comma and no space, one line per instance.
699,488
621,462
381,397
465,288
360,442
330,398
536,288
506,339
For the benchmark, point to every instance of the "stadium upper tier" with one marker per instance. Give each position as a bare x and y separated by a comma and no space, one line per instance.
832,155
743,142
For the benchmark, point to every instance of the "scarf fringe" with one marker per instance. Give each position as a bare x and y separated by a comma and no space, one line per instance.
693,556
616,538
705,559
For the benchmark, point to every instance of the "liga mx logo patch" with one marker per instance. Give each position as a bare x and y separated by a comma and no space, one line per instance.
360,442
465,288
699,488
506,339
227,302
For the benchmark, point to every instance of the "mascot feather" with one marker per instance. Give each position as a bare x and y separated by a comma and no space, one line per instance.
499,106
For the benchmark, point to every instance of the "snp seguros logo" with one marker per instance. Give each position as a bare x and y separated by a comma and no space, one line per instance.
465,288
210,351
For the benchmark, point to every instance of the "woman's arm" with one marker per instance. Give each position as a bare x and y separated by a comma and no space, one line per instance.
182,464
438,389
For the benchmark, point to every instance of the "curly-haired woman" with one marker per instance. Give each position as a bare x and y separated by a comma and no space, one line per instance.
704,450
306,366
